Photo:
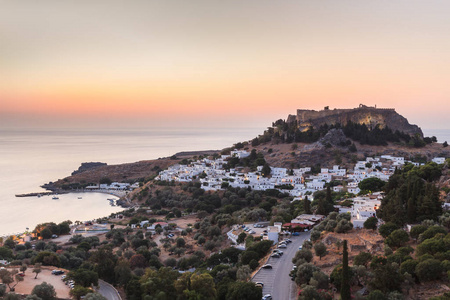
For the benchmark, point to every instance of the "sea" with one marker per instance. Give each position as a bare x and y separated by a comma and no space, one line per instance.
30,158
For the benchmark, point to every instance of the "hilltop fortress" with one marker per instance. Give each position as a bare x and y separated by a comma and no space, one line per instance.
371,116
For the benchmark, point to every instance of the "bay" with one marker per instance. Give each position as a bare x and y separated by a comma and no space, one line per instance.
32,157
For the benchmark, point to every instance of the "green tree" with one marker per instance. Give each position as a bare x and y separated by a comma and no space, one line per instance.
37,269
243,273
243,291
320,280
266,170
371,184
345,284
307,205
428,270
371,223
160,282
397,238
386,229
6,253
84,277
79,291
305,273
328,196
9,277
104,263
2,290
309,293
203,285
417,230
123,272
47,258
11,296
302,255
46,233
376,295
362,259
23,268
320,249
45,291
94,296
9,243
241,237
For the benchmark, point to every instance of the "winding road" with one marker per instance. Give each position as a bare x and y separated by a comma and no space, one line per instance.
108,291
276,280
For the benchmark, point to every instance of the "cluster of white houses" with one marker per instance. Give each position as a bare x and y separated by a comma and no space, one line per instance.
296,182
114,186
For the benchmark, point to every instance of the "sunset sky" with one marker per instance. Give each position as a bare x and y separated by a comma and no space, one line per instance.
244,63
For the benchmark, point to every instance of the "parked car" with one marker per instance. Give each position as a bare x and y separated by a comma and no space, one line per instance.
296,234
267,297
277,251
300,248
259,283
282,246
267,266
275,255
288,241
57,272
21,274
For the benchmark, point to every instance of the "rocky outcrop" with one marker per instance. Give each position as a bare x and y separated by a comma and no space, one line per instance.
88,166
371,116
334,137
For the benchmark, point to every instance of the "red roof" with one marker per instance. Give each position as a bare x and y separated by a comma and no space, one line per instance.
295,225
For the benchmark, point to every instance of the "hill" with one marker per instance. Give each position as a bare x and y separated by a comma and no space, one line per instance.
370,116
310,138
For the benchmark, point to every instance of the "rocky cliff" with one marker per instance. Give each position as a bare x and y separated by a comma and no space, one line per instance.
88,166
371,116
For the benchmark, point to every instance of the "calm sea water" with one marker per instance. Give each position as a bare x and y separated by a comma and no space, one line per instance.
30,158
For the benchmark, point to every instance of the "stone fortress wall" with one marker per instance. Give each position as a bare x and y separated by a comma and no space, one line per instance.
371,116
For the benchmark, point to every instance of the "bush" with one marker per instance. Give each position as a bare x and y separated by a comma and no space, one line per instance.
362,259
371,223
417,230
397,238
429,269
303,254
386,229
431,232
45,291
409,266
2,290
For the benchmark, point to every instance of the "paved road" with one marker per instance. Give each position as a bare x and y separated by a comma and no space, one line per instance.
108,291
277,281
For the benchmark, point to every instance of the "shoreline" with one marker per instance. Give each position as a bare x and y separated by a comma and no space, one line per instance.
120,194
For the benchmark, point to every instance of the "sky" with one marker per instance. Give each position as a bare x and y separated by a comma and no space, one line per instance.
109,63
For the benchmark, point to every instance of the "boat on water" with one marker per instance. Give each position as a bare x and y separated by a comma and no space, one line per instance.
80,197
55,197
